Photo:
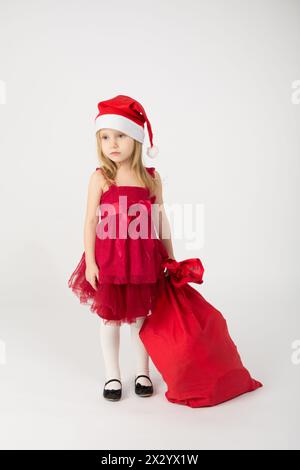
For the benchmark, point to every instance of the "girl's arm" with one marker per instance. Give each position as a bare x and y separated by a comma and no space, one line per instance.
163,222
95,186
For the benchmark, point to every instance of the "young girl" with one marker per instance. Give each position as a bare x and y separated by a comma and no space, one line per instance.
119,271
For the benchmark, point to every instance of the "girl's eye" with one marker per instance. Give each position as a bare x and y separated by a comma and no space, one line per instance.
104,136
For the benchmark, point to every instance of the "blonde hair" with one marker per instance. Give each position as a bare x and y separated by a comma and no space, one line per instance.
109,168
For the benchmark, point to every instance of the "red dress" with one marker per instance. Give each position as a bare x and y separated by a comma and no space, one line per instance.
129,267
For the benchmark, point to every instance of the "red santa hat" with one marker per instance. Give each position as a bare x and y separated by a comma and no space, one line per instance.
127,115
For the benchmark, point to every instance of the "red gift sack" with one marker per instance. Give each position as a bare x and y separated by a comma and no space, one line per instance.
188,341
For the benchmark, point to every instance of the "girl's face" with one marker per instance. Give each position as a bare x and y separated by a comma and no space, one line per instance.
116,141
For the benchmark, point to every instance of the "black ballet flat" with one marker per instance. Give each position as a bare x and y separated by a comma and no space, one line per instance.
111,394
143,390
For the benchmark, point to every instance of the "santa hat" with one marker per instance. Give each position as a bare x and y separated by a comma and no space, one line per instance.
128,115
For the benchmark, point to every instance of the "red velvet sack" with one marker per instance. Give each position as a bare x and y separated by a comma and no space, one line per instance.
188,342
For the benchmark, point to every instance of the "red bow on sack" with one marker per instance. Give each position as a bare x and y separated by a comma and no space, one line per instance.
181,272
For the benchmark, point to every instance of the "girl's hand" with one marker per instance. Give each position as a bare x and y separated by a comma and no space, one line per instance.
167,274
92,274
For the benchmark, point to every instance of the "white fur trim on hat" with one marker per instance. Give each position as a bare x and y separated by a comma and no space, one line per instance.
120,123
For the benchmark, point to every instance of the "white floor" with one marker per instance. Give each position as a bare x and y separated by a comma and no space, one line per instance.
52,380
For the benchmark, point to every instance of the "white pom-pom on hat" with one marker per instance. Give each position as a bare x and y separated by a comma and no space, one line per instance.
152,152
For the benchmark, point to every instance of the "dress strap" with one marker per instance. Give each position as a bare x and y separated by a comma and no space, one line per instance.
100,169
150,170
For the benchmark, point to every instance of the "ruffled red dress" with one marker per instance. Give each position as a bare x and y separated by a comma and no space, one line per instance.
129,256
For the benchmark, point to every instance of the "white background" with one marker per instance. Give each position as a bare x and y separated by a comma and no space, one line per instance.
216,81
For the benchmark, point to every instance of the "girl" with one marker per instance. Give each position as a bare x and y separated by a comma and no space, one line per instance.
119,271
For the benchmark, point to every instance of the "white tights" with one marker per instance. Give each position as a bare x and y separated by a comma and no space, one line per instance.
110,344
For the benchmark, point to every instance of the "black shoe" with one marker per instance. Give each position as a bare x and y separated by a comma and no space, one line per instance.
111,394
143,390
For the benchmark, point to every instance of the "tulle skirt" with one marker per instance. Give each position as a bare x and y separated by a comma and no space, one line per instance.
114,303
